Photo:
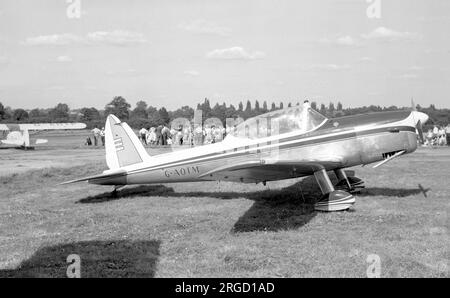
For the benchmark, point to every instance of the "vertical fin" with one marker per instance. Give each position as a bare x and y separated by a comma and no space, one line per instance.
123,148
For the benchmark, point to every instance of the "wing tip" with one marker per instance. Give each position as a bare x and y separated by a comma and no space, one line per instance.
73,181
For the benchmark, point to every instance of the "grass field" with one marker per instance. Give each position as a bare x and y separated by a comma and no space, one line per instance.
218,229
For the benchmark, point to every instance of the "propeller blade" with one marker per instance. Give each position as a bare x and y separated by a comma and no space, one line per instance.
420,132
413,106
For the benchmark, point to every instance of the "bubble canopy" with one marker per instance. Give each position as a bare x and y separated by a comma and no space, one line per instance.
293,120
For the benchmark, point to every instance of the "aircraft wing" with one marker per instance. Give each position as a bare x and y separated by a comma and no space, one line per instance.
272,169
41,126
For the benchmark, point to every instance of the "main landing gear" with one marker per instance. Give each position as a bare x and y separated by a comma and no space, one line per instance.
116,188
348,183
332,199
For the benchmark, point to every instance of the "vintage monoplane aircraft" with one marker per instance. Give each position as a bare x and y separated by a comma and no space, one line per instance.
18,134
288,143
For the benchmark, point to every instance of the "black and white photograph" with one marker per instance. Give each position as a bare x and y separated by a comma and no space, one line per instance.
203,140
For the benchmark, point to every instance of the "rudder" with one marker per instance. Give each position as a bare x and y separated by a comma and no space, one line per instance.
122,146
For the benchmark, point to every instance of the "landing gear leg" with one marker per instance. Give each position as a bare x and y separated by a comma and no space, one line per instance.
351,184
114,192
332,200
343,180
324,181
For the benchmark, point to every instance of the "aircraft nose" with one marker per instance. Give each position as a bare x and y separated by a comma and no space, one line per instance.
419,116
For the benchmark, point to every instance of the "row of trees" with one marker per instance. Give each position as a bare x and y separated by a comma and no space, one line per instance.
144,115
60,113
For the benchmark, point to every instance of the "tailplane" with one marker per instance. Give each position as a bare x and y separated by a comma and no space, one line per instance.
123,148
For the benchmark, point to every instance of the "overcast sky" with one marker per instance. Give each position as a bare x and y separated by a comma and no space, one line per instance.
173,53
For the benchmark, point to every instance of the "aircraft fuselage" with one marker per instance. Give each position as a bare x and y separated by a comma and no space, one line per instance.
356,140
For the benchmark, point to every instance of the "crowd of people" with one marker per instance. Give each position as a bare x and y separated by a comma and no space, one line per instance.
162,135
209,134
438,136
97,135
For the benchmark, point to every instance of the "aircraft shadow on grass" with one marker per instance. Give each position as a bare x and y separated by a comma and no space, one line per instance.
273,210
121,258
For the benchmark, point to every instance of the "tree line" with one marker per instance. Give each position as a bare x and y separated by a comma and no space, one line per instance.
143,115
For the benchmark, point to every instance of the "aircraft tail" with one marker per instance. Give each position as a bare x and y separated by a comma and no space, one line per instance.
123,147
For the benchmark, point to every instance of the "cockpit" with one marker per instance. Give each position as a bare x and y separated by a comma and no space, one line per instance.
295,120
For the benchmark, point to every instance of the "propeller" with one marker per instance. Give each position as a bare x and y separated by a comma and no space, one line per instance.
413,106
421,119
420,132
424,190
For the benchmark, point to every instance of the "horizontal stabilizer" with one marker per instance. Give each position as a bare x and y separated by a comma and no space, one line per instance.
104,176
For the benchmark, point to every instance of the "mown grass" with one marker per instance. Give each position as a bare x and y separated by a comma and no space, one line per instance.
216,229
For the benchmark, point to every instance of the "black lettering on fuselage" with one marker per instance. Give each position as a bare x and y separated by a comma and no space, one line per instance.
182,171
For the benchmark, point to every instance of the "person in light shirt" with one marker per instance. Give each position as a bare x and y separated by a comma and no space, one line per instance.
102,136
143,135
429,138
441,136
198,135
447,132
96,133
151,136
435,131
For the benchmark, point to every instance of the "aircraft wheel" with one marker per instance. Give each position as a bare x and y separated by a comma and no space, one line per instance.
337,200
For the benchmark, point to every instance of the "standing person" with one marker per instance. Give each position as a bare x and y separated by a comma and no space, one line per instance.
447,133
180,135
223,133
158,133
147,136
212,134
102,136
143,133
164,135
442,136
96,133
208,134
151,136
186,135
435,134
198,135
173,136
429,138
